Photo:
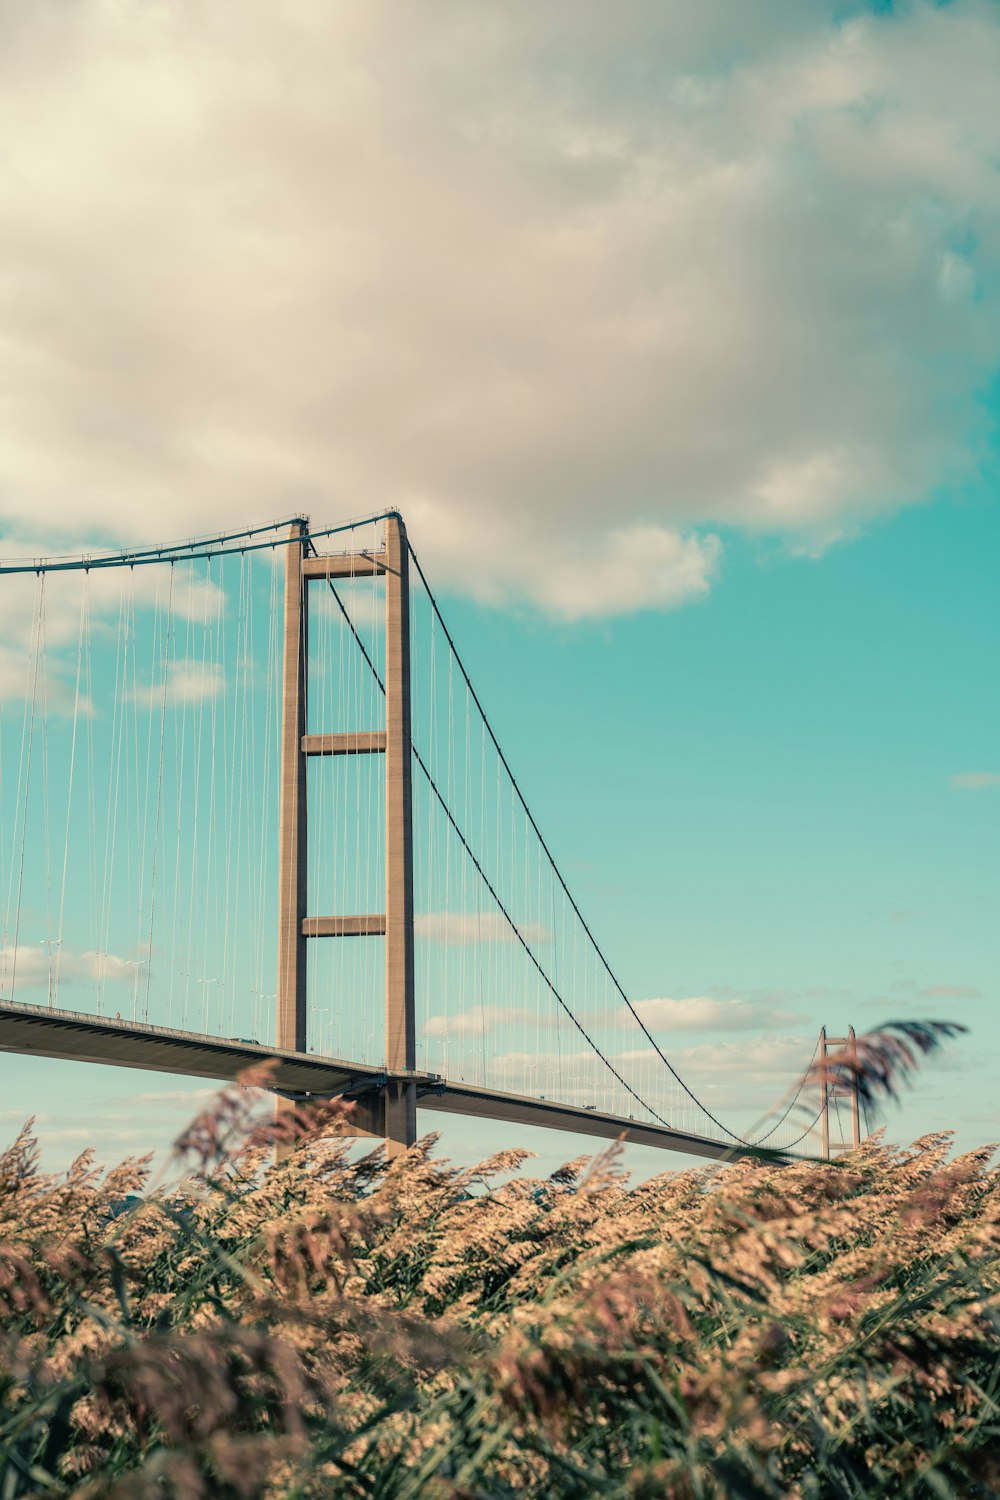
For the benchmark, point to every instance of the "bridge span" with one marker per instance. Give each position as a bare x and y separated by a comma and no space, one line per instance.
230,776
40,1031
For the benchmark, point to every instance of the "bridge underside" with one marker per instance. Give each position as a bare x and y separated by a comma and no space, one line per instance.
38,1031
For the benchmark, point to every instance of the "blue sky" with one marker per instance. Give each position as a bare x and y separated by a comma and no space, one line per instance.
769,784
758,801
673,334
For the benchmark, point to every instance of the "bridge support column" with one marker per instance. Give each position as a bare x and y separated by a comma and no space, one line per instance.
396,1109
400,1022
844,1044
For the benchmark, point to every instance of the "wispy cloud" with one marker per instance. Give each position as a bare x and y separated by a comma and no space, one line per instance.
705,1013
757,1060
94,603
975,781
663,1016
909,991
191,598
950,992
480,1021
53,686
365,605
183,682
731,1076
169,1099
32,966
465,929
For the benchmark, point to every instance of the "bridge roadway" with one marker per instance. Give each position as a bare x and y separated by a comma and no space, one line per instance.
33,1030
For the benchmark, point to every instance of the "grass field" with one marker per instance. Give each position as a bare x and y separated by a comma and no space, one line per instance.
334,1326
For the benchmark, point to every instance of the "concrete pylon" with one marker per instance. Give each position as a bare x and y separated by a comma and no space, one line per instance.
393,1113
400,1023
829,1091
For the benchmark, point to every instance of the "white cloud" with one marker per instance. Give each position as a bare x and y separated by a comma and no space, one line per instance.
190,597
73,605
950,992
975,781
52,685
759,1059
364,604
696,1013
32,966
731,1078
479,1021
169,1098
466,929
48,618
956,278
702,1013
571,1076
644,567
183,682
573,285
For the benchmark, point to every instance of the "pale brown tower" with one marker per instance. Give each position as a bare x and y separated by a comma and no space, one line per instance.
829,1091
395,1112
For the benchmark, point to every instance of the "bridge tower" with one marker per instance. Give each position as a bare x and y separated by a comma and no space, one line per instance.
831,1090
393,1112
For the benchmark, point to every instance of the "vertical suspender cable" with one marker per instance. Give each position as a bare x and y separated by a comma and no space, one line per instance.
159,793
46,838
84,592
27,781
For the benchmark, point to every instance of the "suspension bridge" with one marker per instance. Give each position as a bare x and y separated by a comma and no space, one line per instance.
252,806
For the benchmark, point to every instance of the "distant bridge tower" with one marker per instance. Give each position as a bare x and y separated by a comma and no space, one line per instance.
394,1110
829,1090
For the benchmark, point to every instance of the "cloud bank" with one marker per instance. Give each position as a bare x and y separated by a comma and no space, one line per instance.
183,681
576,286
479,1021
31,966
704,1013
467,929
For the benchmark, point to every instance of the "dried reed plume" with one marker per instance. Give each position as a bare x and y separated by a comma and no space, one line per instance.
335,1325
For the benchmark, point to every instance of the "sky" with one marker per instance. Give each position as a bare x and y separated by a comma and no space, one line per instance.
672,332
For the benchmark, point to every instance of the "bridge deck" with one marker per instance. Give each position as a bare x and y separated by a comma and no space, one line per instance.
43,1032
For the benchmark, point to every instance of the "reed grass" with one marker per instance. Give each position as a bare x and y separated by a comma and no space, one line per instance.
337,1325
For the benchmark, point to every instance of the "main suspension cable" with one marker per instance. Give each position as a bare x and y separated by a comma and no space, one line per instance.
223,545
485,878
557,872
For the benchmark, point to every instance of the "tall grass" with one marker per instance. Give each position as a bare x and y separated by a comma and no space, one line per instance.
334,1325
